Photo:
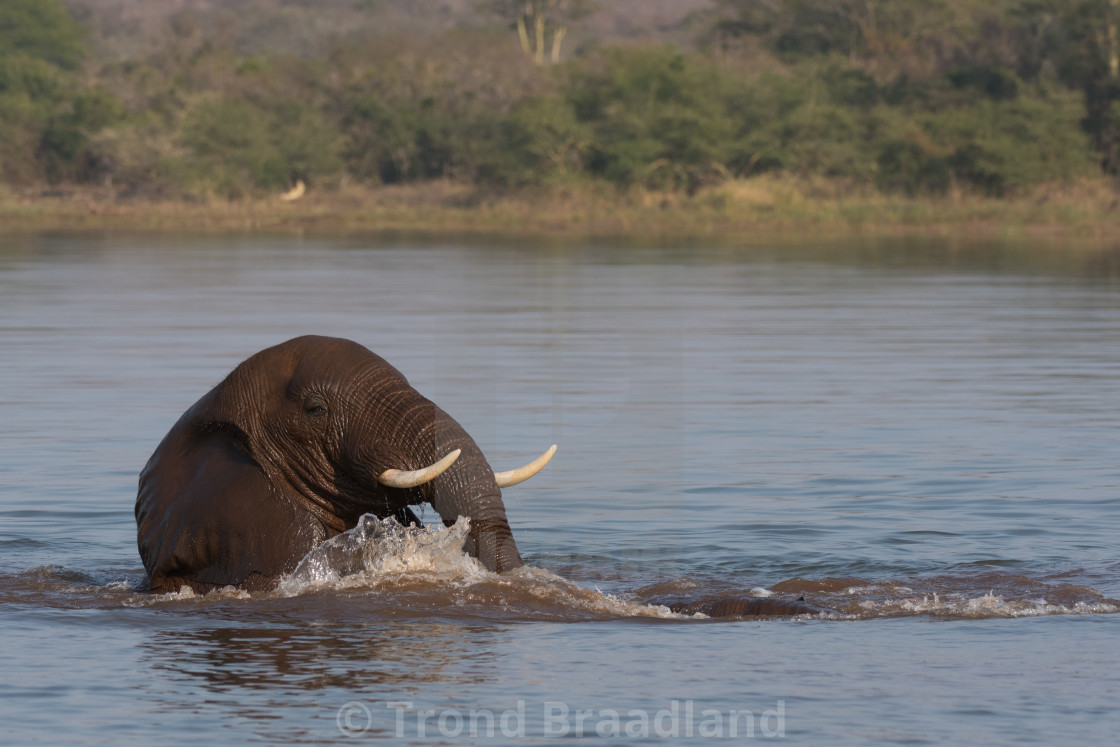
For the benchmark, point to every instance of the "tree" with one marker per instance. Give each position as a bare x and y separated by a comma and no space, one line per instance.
42,30
897,39
538,20
1090,59
655,116
44,121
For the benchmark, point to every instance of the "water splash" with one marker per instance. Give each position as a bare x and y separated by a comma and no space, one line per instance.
384,568
381,555
379,550
983,606
971,596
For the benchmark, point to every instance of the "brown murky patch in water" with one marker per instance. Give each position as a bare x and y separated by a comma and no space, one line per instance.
800,585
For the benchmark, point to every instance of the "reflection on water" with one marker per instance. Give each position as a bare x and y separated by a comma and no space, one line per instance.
317,651
903,431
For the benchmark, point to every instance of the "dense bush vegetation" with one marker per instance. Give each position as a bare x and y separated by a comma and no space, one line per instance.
917,98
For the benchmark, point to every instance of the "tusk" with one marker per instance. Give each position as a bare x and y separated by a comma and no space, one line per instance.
399,478
514,476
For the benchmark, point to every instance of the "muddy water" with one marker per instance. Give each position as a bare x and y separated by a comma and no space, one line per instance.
904,433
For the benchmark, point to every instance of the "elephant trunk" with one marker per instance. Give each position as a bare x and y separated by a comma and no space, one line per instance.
468,488
490,539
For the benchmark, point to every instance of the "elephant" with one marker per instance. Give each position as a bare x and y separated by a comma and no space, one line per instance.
292,448
300,441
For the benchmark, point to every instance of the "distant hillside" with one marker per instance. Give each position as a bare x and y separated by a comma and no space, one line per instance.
131,27
234,99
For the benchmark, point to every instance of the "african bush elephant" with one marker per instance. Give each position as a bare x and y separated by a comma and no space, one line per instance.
291,449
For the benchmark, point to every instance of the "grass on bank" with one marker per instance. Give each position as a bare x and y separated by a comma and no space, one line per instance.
742,208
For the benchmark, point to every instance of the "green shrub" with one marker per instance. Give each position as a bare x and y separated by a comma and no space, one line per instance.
232,149
1006,146
65,147
998,85
907,167
655,116
547,140
38,80
237,147
308,144
41,30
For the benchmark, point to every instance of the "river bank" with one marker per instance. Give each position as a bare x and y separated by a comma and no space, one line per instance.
761,208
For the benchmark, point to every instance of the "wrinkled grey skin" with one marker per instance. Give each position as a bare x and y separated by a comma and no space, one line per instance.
286,452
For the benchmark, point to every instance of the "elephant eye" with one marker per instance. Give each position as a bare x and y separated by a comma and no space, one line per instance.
314,406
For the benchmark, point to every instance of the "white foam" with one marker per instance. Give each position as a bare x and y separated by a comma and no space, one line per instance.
874,588
985,605
379,550
186,593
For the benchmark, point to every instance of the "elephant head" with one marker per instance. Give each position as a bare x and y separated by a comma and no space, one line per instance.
292,448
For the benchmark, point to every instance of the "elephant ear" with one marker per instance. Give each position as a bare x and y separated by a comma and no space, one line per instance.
253,393
202,502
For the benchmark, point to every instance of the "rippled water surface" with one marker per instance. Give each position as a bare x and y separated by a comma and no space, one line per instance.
922,437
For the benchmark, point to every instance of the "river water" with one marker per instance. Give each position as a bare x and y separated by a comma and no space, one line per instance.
922,436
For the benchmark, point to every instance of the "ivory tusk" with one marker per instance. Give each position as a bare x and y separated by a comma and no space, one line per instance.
399,478
514,476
